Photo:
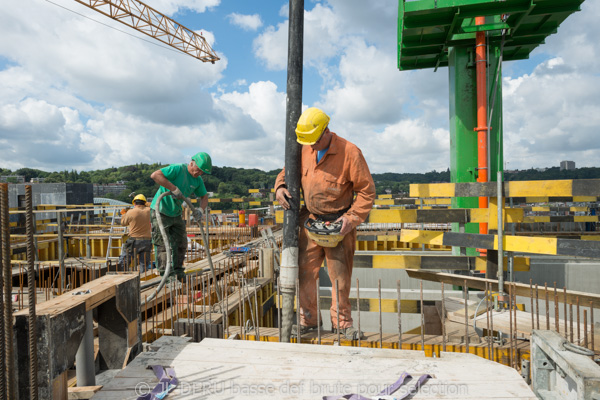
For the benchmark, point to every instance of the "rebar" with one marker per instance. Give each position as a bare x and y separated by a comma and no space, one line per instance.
515,327
510,317
30,228
8,316
226,312
358,310
537,306
337,305
466,316
571,322
487,315
279,308
578,323
257,327
531,298
298,311
592,325
422,317
556,316
565,316
585,329
5,238
398,288
443,317
319,311
547,306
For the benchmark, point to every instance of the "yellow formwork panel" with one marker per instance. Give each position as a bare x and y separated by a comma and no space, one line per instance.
503,355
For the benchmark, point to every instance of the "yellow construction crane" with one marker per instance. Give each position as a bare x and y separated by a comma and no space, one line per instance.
147,20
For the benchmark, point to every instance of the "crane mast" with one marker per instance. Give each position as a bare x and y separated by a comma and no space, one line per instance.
153,23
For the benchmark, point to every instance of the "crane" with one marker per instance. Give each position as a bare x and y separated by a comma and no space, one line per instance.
153,23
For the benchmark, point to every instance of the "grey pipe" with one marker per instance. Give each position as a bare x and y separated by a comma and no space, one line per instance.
84,359
289,259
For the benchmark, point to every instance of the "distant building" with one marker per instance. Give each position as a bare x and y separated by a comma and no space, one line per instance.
51,193
58,194
100,190
567,165
12,179
38,180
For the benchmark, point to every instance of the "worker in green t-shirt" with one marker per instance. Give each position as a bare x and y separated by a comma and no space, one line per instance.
182,180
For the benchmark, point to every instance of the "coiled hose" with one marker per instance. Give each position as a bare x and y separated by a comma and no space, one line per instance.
163,233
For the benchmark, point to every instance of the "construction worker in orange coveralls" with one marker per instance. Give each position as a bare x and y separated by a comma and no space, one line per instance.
333,170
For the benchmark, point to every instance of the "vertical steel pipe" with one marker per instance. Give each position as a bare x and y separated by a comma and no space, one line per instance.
289,257
482,113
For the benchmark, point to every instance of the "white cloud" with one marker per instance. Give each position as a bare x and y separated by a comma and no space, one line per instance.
246,22
170,7
551,115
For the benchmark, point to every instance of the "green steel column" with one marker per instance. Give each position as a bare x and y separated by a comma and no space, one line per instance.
463,118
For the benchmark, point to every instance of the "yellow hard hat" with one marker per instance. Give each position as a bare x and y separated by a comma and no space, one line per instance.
139,197
311,125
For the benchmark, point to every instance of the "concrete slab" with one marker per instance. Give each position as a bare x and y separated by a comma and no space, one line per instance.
227,369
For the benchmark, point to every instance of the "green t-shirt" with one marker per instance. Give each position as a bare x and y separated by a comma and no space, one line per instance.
179,176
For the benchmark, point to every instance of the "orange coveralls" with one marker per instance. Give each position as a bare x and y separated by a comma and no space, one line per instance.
328,188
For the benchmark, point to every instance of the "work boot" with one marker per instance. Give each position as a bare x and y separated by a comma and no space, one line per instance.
350,333
304,329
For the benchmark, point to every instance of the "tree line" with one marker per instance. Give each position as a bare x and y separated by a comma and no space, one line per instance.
226,182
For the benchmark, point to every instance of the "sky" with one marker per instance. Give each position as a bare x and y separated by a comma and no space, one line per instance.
81,91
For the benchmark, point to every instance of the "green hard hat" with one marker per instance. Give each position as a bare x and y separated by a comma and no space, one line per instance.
203,162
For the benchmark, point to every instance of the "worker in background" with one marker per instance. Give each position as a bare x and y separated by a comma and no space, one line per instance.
182,180
333,171
139,243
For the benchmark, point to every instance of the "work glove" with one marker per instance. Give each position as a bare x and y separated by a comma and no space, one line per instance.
177,194
197,215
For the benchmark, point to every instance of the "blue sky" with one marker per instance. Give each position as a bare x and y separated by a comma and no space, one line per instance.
77,94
